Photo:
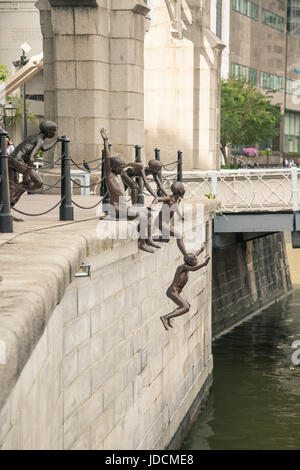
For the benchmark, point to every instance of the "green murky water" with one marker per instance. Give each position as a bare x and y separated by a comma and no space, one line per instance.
255,400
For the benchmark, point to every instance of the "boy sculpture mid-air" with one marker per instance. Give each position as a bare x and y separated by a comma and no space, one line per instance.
180,279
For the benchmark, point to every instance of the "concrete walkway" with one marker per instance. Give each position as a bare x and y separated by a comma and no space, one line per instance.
39,203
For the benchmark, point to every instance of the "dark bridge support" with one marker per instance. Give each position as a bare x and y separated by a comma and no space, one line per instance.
258,223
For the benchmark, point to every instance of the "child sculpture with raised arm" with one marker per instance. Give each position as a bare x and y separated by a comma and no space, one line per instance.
114,167
180,279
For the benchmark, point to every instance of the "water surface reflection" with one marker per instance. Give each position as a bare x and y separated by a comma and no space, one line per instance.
255,401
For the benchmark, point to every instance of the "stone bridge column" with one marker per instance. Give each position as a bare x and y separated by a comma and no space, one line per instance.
93,55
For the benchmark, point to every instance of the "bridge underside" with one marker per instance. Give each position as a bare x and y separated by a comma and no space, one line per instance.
233,228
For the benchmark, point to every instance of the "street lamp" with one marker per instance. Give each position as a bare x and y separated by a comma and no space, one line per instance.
9,112
25,48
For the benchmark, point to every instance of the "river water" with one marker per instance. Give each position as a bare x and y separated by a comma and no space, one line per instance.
255,399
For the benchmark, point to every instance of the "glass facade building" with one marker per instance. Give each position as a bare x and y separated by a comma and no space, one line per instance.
246,7
293,17
270,81
244,73
270,19
291,132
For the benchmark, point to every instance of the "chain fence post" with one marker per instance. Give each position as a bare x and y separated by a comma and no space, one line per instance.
103,187
139,181
179,166
6,219
157,157
66,210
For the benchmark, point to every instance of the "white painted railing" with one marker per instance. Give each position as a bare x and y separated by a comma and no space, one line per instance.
269,190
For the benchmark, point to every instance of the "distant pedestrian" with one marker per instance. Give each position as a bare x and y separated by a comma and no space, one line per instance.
10,146
298,164
286,162
291,163
86,166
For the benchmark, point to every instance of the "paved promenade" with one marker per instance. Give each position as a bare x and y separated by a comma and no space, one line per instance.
39,203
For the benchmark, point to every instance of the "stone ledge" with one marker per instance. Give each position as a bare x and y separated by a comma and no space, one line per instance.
37,268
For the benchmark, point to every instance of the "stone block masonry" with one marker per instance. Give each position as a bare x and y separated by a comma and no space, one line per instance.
247,277
94,72
88,362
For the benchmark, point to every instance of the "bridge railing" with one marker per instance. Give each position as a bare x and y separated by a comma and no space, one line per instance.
246,190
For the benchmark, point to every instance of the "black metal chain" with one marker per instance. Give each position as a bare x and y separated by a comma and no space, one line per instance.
89,186
91,161
41,213
92,207
35,191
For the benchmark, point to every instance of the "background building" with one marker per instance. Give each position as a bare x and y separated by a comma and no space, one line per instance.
263,45
20,23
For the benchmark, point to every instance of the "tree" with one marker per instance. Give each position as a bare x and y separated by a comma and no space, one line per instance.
4,72
247,115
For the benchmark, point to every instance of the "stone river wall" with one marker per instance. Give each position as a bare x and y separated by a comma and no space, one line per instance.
88,364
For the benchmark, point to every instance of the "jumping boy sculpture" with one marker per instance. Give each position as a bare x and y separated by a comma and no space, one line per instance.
180,279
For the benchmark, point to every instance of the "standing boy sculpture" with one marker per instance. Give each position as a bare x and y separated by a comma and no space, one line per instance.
22,158
136,169
113,167
179,281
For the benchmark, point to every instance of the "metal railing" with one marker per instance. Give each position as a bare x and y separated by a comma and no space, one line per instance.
242,190
246,190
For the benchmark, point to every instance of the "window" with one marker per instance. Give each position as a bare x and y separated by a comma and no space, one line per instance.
244,73
291,132
293,18
293,87
272,20
219,19
273,82
246,8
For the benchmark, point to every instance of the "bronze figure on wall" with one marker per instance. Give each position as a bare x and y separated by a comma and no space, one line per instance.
180,279
135,169
22,158
113,167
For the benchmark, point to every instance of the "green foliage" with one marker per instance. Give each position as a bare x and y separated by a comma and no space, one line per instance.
263,153
231,166
293,154
4,72
247,115
17,102
210,196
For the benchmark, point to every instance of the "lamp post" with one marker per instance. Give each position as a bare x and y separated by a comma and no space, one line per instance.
25,48
8,111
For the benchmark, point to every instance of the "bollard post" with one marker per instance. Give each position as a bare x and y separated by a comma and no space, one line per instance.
157,157
179,165
66,211
6,219
139,181
103,187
